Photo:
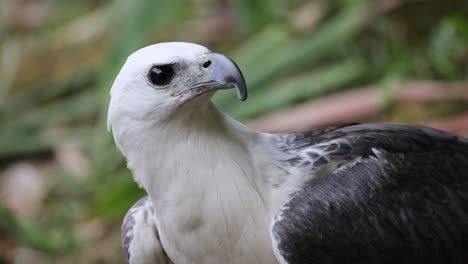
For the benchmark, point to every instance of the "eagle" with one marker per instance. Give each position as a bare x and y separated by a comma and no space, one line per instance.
221,192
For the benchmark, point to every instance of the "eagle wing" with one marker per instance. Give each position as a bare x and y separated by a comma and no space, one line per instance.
398,195
140,238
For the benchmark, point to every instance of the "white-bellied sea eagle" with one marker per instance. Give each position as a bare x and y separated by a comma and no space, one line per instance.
220,192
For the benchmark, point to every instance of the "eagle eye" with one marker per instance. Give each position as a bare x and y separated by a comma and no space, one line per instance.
161,75
206,64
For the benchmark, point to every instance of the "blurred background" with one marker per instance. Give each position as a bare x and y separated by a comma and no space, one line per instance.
64,187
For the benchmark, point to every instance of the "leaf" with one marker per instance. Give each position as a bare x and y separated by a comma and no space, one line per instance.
116,198
304,86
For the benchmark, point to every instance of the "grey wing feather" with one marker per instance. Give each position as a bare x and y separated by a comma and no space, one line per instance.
398,137
405,201
140,238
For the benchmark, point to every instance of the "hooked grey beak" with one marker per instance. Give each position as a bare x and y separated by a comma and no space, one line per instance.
227,74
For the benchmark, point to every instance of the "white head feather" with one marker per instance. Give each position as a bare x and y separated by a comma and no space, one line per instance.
132,94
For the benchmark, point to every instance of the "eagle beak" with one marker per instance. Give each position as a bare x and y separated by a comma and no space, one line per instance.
226,74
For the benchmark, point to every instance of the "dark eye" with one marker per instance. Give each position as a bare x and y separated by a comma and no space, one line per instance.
206,64
161,75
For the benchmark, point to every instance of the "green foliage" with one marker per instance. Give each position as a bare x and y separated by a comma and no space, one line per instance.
118,196
307,85
49,239
448,42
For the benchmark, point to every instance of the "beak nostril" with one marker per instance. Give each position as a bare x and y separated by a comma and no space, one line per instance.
206,64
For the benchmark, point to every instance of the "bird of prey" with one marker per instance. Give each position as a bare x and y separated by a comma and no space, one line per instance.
221,192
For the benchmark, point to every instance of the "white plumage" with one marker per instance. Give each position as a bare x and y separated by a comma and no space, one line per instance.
212,202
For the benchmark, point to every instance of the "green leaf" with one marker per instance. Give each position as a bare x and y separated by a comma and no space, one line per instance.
114,199
301,87
300,52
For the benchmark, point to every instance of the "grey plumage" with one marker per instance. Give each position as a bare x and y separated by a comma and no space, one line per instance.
405,201
140,237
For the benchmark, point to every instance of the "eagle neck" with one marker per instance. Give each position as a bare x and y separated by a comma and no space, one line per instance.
191,151
198,169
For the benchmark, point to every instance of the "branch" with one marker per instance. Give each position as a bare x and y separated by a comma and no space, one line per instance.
356,105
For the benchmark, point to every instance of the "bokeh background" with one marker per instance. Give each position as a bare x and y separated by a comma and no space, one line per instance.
64,187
